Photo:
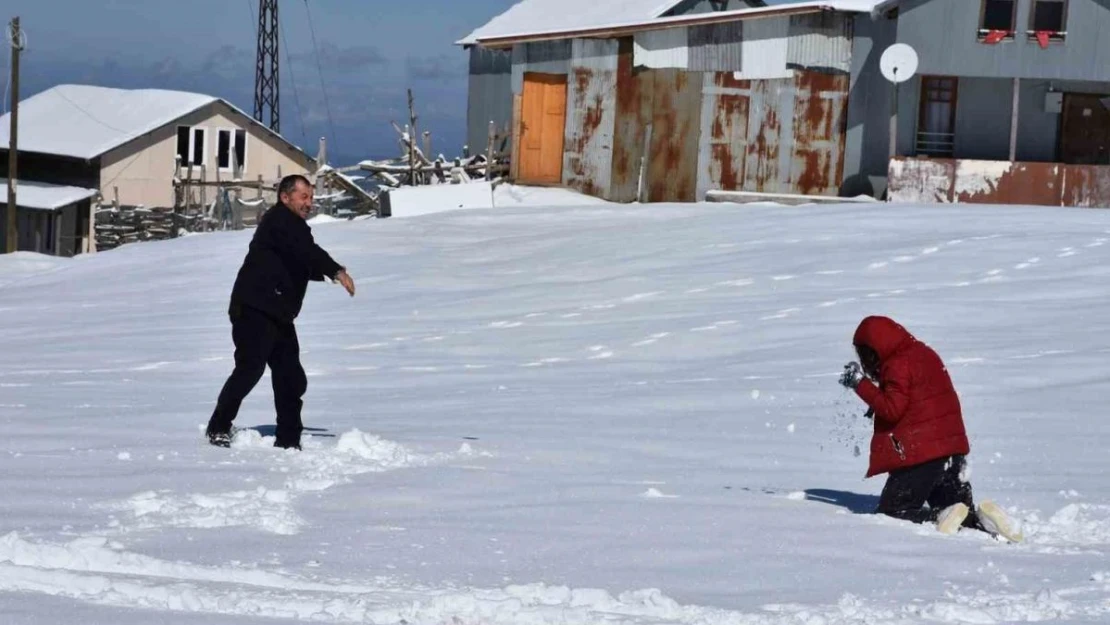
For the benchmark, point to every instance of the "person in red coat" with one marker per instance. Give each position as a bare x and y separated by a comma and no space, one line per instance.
919,436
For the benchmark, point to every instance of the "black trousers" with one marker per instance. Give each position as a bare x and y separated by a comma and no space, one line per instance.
260,341
936,483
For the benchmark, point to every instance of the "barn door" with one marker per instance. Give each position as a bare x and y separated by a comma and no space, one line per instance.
543,123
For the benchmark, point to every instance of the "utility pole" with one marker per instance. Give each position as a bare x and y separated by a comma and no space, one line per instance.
13,137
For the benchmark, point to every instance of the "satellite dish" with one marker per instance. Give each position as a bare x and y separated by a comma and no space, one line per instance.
898,63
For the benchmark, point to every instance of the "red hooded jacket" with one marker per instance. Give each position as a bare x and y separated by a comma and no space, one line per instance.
916,410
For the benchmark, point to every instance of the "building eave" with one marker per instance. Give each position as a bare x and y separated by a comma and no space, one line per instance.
624,30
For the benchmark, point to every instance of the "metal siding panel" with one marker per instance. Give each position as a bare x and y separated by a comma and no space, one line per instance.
542,57
944,50
489,61
519,64
1087,186
490,98
935,180
1003,182
591,117
634,103
921,181
869,108
820,113
716,47
820,40
764,132
724,133
676,104
764,48
662,49
786,111
983,107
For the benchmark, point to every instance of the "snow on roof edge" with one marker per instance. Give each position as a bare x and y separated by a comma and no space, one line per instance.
472,38
46,196
847,6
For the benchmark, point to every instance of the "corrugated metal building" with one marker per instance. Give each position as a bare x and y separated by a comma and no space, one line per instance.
1010,103
668,108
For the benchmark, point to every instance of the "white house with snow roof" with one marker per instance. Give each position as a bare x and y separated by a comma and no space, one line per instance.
80,144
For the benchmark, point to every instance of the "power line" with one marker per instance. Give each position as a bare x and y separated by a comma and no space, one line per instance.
292,79
320,68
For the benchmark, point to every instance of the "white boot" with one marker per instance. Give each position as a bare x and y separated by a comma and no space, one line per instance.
996,521
950,519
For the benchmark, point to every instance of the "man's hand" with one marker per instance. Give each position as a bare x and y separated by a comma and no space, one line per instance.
348,283
852,375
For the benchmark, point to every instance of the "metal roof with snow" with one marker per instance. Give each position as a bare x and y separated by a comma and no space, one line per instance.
550,19
44,196
529,16
85,121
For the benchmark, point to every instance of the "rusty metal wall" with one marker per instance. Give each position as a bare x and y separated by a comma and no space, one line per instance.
724,133
591,116
944,181
773,136
546,57
771,107
820,41
820,124
675,123
716,47
634,97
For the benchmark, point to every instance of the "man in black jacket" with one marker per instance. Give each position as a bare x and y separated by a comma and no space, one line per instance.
265,301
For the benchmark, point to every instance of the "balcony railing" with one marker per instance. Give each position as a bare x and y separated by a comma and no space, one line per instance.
935,143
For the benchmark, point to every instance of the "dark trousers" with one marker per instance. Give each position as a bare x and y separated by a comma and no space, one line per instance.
936,483
260,341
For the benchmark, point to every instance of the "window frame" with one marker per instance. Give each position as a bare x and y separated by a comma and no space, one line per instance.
981,31
192,148
1054,36
234,133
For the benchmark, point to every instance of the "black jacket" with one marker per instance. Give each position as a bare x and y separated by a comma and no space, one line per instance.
282,258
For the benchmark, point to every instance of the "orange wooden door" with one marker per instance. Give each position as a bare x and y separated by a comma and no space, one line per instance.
543,111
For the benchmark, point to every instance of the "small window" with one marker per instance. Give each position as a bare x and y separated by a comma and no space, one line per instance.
996,19
1048,21
226,140
190,145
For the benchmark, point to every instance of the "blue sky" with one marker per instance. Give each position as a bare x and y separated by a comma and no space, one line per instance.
371,51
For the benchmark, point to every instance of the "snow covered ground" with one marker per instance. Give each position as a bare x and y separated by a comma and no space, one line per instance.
573,415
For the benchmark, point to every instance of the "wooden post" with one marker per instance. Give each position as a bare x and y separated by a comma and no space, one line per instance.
412,141
427,144
204,198
261,207
518,127
1014,120
13,140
